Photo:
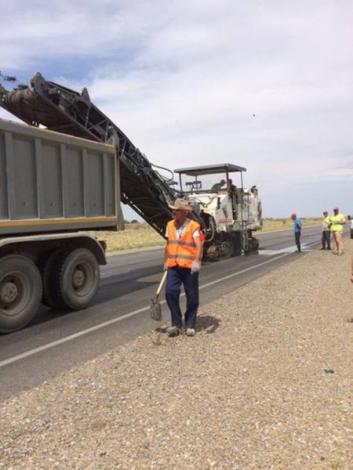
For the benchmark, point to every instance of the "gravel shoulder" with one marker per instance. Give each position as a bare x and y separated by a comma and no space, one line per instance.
250,394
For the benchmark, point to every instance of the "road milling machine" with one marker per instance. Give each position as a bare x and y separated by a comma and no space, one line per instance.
230,213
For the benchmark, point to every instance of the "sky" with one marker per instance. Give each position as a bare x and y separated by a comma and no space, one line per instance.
265,84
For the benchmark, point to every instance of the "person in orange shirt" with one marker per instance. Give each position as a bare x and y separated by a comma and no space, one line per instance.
183,255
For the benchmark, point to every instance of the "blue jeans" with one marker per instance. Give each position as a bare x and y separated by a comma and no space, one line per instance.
175,278
297,240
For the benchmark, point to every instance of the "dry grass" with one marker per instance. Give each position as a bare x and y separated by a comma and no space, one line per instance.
285,224
134,236
141,235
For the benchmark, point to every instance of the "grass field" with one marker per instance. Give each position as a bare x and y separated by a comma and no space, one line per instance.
134,236
285,224
141,235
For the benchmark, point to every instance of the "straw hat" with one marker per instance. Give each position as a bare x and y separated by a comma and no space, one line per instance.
181,204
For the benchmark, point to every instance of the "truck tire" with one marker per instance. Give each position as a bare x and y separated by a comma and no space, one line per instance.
48,271
20,292
74,279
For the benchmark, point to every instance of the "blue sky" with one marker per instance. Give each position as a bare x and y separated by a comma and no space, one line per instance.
184,78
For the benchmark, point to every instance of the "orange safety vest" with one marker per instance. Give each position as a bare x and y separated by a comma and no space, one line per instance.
182,251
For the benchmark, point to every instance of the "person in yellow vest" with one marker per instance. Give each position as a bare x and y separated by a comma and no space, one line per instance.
337,222
326,231
183,255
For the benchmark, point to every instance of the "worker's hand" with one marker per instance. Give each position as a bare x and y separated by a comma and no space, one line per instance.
165,267
195,267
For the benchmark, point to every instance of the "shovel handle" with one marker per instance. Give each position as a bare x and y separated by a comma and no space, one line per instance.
161,283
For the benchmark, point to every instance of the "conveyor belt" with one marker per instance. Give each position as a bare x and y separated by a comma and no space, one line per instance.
63,110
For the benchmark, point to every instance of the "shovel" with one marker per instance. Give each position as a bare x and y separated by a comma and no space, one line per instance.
156,309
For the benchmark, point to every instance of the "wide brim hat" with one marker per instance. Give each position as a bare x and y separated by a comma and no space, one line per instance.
181,204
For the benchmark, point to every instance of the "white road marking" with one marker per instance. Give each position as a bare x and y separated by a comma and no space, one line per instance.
107,273
287,249
86,331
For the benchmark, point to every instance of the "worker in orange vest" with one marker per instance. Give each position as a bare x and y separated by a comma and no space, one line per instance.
183,255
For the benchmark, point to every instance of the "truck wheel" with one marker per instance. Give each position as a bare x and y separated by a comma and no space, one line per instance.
47,269
20,292
75,279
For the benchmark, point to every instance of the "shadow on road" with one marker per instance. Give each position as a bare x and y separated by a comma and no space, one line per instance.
208,323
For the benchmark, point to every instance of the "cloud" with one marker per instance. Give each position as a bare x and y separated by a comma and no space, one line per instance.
185,79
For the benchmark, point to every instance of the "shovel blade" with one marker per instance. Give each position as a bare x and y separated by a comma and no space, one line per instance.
156,310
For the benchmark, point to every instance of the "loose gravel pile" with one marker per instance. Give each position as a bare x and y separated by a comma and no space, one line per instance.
249,391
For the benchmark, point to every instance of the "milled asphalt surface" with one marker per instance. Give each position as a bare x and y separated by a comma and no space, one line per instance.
128,283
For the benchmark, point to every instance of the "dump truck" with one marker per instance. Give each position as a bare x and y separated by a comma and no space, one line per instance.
53,187
63,173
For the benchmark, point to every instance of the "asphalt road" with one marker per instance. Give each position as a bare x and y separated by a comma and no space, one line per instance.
56,341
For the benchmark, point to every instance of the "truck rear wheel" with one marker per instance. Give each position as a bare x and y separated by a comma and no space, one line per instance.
48,270
74,279
20,292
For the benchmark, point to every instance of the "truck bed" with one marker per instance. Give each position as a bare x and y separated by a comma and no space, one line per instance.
55,182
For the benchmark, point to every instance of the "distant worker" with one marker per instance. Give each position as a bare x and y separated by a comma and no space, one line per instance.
183,255
254,191
326,232
233,192
297,227
218,186
337,222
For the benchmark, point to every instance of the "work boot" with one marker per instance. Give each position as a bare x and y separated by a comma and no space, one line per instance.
173,331
190,332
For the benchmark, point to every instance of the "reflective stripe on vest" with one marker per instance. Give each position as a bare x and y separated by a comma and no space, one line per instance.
181,252
179,256
180,242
